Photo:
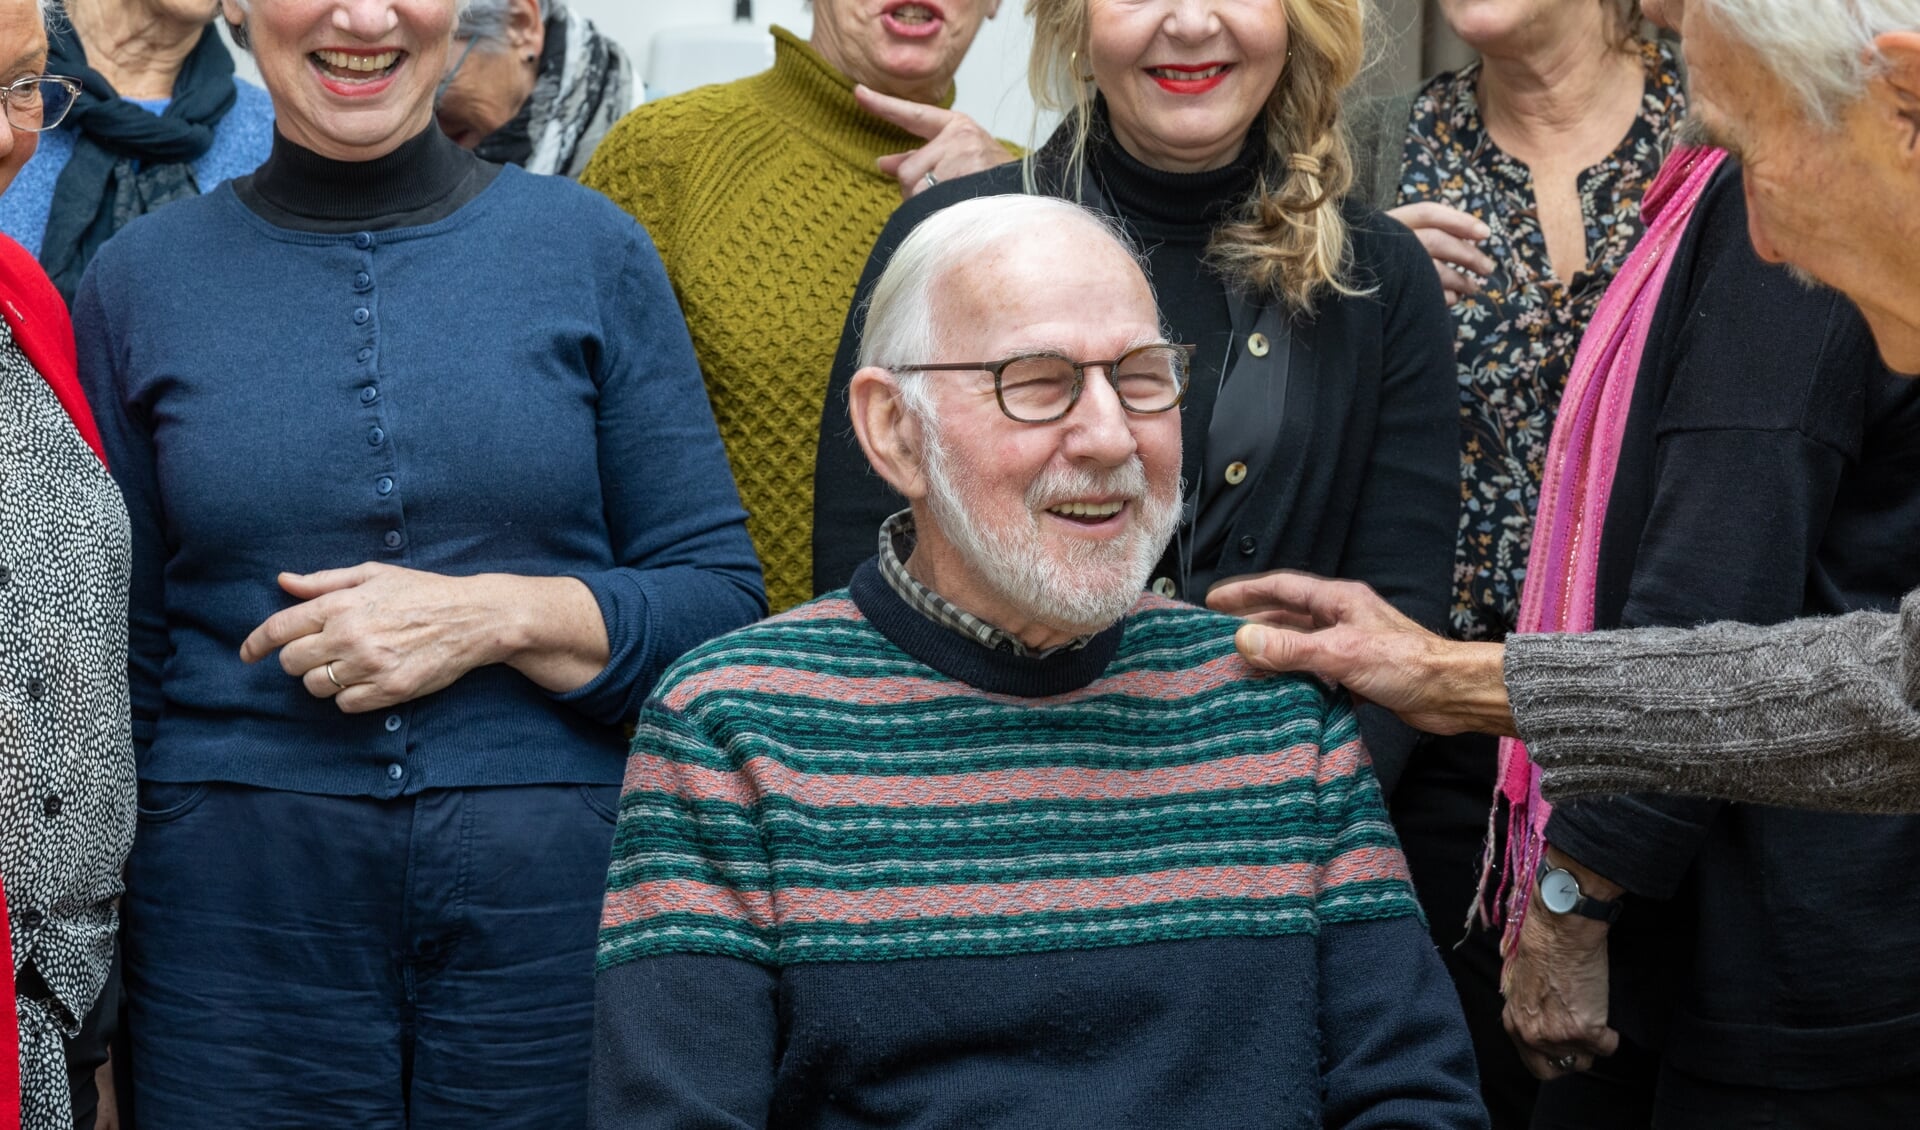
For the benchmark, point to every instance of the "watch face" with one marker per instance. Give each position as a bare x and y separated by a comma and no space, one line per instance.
1559,891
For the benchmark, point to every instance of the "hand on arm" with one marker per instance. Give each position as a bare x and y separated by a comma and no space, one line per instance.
1343,632
956,144
392,635
1555,981
1452,238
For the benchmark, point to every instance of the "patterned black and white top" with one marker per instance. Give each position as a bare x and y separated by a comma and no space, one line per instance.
1516,339
897,538
66,753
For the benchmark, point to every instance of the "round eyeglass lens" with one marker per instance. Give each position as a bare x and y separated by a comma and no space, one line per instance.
1150,378
1036,388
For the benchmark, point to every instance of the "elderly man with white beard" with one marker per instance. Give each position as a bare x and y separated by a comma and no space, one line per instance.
989,838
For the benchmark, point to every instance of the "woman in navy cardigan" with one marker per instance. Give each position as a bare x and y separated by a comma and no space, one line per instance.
425,494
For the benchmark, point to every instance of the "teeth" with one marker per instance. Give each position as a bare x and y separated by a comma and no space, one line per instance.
1185,76
912,14
364,63
1087,509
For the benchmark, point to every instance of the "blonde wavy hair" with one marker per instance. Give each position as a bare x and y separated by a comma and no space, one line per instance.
1289,237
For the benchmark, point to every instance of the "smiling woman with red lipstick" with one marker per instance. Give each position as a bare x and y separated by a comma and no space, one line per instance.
1320,430
425,494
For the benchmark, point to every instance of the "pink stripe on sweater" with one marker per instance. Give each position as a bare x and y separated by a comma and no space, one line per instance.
764,776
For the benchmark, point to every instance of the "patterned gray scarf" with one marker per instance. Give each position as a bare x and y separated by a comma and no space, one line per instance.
585,85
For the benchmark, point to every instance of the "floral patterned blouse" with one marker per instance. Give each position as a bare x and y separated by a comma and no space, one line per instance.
1516,339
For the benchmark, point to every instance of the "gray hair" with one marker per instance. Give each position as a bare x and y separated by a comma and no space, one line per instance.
900,327
1821,49
486,21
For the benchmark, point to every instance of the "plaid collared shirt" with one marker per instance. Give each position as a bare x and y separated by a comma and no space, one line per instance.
896,545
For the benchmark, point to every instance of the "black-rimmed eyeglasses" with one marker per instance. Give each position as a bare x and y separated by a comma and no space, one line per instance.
39,102
1038,388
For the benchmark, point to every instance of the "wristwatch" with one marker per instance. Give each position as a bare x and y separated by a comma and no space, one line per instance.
1560,894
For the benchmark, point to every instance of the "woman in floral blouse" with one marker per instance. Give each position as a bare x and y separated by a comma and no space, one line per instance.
1522,174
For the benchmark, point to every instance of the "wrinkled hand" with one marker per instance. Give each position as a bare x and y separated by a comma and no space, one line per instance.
392,634
1343,632
956,144
1556,989
1452,239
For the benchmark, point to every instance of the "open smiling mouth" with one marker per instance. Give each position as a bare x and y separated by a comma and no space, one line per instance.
353,68
1189,79
1087,513
912,20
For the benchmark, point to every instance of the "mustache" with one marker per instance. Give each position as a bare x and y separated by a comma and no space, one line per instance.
1064,484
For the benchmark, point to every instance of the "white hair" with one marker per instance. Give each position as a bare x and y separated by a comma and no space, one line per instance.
900,327
1821,49
486,21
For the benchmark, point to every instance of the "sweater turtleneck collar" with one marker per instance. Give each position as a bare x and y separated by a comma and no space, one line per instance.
816,99
1142,193
426,179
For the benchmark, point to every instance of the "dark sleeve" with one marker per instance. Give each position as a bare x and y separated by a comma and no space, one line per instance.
683,1042
1408,513
1402,538
685,569
1394,1045
850,501
1746,471
126,432
1377,136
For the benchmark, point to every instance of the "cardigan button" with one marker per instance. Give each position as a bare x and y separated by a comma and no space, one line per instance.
369,394
393,539
393,723
1164,586
362,316
1258,345
1236,473
384,484
363,281
1248,546
376,435
363,241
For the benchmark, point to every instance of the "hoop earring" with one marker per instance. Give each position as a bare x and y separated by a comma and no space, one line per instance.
1073,65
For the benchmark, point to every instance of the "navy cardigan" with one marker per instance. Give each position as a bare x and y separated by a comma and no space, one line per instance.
508,390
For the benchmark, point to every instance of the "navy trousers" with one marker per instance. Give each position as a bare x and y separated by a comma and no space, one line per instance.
316,961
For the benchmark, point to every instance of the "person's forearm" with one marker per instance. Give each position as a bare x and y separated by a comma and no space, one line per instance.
552,630
1817,713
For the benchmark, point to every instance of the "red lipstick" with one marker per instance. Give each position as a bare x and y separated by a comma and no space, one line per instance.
1189,78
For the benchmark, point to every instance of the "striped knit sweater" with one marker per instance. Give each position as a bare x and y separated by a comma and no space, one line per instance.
868,872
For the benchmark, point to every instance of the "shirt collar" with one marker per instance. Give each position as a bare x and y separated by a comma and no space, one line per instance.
897,537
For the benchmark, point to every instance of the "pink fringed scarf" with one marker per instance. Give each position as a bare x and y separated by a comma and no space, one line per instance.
1563,563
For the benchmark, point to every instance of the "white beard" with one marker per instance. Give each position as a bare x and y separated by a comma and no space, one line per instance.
1097,583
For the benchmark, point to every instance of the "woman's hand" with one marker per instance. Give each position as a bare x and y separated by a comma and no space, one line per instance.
375,635
956,144
1343,632
1452,238
1555,983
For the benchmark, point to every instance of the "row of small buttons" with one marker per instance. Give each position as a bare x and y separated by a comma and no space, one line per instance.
384,484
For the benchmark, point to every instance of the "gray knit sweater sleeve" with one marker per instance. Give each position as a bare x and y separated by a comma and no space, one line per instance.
1818,713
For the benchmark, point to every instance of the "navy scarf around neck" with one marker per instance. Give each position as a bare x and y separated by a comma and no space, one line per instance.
126,160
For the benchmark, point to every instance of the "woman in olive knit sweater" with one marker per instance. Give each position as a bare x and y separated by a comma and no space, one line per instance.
764,197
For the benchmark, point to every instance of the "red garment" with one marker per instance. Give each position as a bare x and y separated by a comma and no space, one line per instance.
38,317
9,1022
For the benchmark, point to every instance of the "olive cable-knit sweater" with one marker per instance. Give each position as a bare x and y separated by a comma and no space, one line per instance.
763,198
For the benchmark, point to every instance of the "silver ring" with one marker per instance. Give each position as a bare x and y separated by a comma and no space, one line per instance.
931,179
331,678
1566,1062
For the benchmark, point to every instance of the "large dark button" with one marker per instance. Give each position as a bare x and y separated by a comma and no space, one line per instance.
384,484
6,576
362,316
1248,546
369,394
375,435
393,539
36,688
31,918
52,805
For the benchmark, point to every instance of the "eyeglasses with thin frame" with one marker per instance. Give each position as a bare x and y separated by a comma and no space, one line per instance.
1039,388
36,103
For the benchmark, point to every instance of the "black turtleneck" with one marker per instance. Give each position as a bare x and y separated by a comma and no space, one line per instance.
1174,216
426,179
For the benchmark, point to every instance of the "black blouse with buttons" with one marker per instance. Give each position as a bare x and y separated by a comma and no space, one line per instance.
66,753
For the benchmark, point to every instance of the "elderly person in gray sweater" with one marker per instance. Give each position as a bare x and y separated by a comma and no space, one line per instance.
1821,101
